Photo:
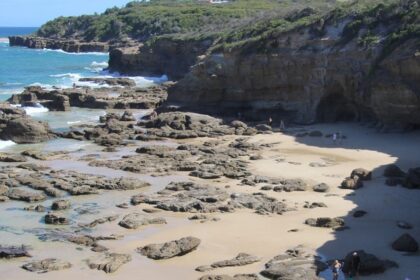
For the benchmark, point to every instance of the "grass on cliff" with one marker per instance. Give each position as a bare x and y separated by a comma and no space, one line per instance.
143,20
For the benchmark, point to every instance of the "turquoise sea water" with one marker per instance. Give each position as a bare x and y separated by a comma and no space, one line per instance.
20,67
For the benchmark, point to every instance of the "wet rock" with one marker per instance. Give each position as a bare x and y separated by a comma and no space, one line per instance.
46,265
110,262
18,127
136,220
10,252
125,82
23,195
34,154
52,219
36,208
3,198
362,174
170,249
405,243
100,221
296,263
393,170
369,264
61,205
11,158
325,222
321,188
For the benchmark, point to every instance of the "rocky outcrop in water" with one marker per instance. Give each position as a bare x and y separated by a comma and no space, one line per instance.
73,46
127,97
18,127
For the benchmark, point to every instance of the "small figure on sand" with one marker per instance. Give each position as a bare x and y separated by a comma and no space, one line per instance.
334,138
336,267
282,126
270,121
340,137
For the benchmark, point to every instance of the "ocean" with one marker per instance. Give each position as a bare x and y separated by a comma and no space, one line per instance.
21,67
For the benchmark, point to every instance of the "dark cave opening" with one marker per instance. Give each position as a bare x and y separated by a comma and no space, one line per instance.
335,107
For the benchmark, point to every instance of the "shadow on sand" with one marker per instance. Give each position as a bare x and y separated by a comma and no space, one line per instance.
385,205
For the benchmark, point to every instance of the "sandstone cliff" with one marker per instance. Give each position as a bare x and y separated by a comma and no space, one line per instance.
172,57
313,73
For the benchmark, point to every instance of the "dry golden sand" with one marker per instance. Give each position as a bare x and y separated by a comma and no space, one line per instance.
267,236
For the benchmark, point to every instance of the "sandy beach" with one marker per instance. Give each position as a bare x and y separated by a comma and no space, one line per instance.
315,159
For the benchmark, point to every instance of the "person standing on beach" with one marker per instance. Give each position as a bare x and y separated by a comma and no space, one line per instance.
282,126
354,266
334,138
270,121
336,267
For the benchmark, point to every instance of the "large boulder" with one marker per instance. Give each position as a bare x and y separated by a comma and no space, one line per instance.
393,170
369,263
363,174
297,263
412,180
170,249
405,243
18,127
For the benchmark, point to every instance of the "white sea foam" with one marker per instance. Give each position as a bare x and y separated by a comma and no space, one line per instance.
4,144
71,53
97,67
33,110
67,75
73,122
4,40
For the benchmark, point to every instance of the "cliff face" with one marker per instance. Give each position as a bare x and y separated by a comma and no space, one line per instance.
304,77
73,46
165,56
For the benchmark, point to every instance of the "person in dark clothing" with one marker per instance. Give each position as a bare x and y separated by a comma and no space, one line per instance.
354,265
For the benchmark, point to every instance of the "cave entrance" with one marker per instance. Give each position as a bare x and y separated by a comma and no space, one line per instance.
335,107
